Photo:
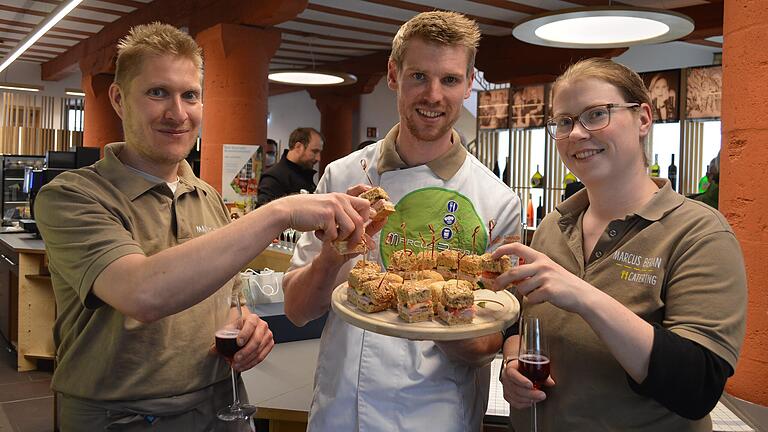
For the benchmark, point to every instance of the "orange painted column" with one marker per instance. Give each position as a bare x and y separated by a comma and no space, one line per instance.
336,114
101,124
744,158
235,91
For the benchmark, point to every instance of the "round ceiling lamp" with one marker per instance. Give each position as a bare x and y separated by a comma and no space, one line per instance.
603,27
311,78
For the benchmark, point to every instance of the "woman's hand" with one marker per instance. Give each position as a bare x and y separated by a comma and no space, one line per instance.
542,280
519,390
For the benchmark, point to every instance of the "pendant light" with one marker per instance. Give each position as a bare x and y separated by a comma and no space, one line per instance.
312,77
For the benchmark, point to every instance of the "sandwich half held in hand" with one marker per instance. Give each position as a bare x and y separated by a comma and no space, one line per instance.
379,200
492,268
457,303
414,301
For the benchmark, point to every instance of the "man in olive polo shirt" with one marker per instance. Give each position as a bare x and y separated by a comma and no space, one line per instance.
142,281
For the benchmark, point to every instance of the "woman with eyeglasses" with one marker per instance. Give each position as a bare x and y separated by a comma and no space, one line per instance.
642,292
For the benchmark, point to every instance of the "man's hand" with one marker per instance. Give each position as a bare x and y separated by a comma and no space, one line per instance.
518,390
475,352
255,341
332,216
374,226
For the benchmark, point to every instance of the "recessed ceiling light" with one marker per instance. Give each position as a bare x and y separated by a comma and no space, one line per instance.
603,27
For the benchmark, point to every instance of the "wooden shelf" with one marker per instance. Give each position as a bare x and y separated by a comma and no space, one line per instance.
41,356
38,277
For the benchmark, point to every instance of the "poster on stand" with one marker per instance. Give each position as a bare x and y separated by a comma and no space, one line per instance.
240,173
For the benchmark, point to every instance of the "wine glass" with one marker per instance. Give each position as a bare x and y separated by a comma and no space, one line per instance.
226,345
533,358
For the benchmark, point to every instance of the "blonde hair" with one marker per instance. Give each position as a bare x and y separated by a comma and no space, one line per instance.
440,27
155,39
627,81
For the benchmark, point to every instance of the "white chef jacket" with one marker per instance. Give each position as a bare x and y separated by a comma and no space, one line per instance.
370,382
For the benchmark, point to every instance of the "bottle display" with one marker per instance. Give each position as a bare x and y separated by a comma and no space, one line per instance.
539,212
537,180
529,212
569,178
672,173
655,169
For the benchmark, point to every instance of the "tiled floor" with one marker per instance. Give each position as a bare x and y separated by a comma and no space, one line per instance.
26,400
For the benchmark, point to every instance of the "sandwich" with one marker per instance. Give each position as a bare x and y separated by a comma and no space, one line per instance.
367,264
379,200
457,304
414,301
427,275
470,268
437,292
447,263
374,295
426,261
344,248
492,268
403,262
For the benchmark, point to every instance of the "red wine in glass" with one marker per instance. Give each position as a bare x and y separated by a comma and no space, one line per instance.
535,367
226,343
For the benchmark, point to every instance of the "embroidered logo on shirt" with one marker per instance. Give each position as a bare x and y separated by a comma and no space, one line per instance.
637,268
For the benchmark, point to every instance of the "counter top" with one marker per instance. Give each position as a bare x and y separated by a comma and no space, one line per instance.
23,242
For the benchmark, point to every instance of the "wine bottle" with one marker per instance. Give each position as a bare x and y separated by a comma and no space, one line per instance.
496,169
529,212
537,180
672,173
506,177
655,169
569,178
539,212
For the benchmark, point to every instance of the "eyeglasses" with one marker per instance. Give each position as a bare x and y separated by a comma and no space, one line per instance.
592,119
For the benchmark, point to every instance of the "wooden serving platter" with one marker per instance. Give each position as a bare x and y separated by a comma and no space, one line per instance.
501,309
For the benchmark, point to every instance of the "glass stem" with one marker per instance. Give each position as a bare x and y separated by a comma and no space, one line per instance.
534,418
235,397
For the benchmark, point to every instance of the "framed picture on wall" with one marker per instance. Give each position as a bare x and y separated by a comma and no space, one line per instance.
493,109
664,87
527,106
704,92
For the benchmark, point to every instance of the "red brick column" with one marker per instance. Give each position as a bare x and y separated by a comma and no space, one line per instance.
336,113
101,124
235,91
743,164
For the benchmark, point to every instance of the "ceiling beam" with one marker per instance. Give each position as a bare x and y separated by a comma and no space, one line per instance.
45,14
336,38
88,8
400,4
196,15
350,14
343,27
512,6
56,28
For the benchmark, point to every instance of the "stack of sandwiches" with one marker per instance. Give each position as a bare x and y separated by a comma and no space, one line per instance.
492,268
414,301
457,303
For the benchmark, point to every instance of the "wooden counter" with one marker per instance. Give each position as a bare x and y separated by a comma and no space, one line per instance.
31,309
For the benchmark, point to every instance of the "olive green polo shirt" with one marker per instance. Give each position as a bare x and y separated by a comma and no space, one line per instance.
675,262
92,216
445,166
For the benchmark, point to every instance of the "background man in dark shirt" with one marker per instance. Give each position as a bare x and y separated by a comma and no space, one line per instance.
294,172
